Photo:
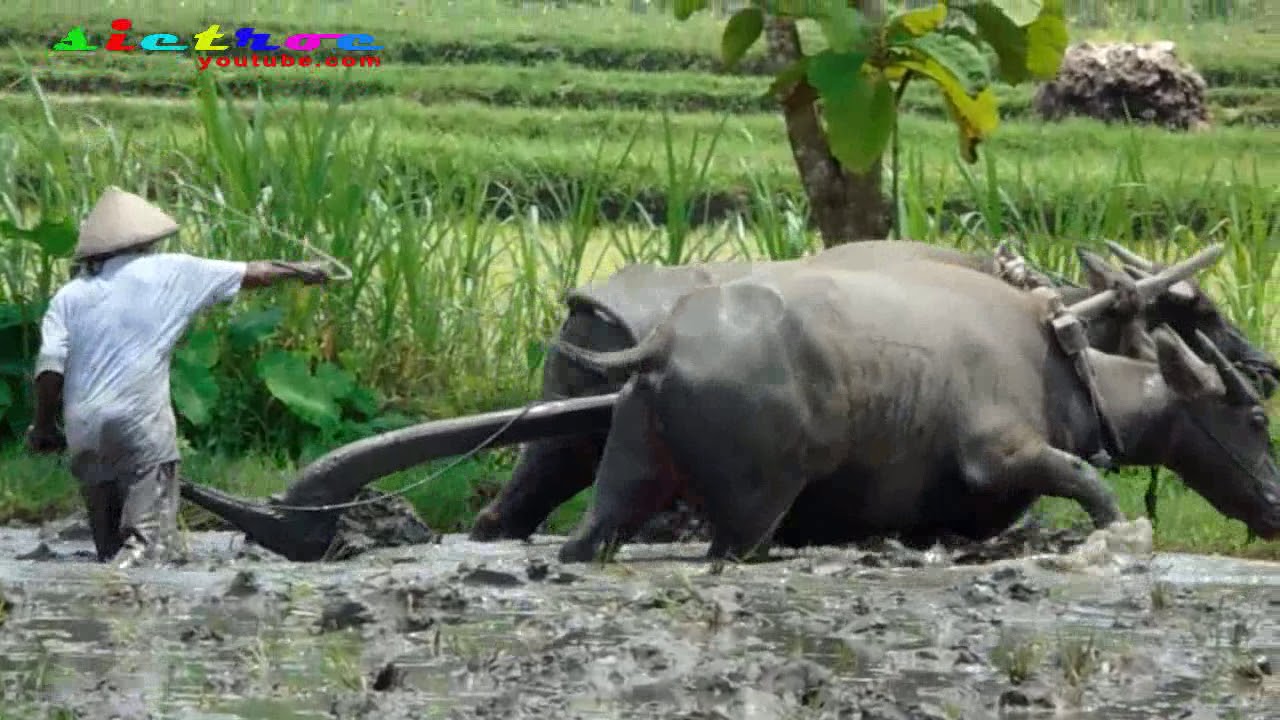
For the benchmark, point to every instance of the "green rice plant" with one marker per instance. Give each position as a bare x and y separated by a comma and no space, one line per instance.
776,223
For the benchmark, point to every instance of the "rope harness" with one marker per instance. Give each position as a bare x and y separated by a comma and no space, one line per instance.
1070,333
1072,338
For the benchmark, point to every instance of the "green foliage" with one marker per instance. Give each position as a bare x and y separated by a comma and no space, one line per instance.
852,74
740,33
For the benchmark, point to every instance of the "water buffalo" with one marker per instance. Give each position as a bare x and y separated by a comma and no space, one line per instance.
615,313
564,439
921,399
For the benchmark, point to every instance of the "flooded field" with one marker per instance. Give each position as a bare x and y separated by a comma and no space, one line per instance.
457,629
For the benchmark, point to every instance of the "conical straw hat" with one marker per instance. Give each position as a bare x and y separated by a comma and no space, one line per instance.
122,220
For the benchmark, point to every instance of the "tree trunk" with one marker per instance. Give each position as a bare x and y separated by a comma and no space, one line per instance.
845,206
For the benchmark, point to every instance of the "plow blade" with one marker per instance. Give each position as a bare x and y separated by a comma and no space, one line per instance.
337,477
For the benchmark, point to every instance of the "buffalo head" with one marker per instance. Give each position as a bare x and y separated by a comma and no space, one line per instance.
1216,432
1186,308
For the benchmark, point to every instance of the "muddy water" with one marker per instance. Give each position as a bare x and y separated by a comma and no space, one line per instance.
463,630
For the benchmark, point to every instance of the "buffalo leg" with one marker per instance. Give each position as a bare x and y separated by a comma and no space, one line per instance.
994,465
744,525
631,485
547,474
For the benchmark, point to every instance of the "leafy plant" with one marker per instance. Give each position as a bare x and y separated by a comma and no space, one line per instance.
323,403
947,43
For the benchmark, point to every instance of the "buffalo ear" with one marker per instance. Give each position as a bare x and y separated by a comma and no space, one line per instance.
1182,291
1182,369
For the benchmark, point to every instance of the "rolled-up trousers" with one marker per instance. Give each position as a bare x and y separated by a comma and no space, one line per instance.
138,508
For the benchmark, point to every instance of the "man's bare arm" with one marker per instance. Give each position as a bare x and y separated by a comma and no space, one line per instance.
265,273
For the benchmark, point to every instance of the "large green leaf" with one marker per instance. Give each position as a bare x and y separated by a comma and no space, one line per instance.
56,238
1047,41
364,401
740,33
975,117
248,329
1033,51
685,8
961,59
845,28
288,379
194,390
200,348
860,121
1005,36
832,73
338,383
858,108
914,23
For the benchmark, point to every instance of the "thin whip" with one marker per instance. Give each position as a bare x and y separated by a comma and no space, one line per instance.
300,241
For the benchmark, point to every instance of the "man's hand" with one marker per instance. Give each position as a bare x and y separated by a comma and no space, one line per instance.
43,441
265,273
311,273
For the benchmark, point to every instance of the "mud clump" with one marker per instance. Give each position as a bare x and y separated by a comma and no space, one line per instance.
386,521
1144,83
681,523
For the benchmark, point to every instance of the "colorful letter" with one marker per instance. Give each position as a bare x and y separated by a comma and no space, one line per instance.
352,42
116,41
204,40
160,41
75,41
305,42
244,35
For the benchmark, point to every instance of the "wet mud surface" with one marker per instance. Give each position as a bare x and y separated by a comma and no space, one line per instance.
1039,625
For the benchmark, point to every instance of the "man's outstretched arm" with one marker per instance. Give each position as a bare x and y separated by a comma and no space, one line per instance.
265,273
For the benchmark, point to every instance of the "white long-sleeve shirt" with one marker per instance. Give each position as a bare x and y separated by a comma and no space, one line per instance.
112,335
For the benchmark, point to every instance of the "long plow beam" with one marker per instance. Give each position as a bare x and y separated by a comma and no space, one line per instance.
337,477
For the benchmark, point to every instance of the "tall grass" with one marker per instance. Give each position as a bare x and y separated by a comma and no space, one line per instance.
453,288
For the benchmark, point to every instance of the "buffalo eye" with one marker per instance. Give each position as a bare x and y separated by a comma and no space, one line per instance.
1259,418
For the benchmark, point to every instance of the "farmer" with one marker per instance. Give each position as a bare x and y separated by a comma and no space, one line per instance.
106,342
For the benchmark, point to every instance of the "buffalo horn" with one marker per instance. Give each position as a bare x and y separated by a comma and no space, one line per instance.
1150,287
1181,289
1130,257
1239,391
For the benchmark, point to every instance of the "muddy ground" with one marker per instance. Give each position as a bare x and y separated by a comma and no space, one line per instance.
1036,625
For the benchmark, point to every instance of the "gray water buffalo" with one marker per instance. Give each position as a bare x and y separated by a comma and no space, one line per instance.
564,439
615,313
919,400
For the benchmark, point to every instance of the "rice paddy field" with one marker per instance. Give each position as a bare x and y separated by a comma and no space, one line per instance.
502,152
